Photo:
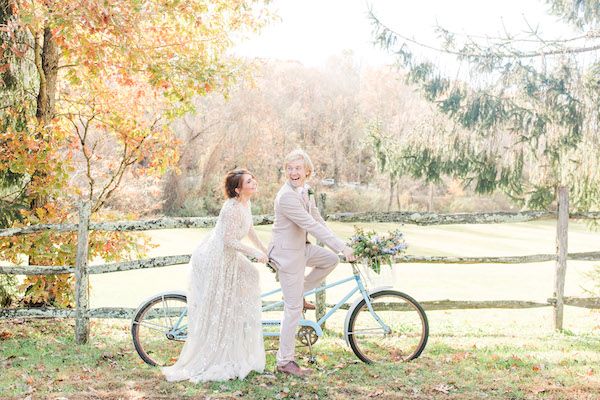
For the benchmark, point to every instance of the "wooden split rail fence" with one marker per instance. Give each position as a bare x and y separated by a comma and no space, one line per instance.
82,312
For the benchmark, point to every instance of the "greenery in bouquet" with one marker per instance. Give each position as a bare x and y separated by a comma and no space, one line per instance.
375,249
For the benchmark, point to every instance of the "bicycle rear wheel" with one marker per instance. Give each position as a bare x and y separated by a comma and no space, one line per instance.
403,335
159,329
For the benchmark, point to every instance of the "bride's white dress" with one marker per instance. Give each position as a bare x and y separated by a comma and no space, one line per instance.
224,317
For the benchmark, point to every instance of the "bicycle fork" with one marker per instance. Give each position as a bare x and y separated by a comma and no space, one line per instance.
367,298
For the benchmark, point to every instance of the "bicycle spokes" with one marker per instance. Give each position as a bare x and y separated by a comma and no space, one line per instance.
393,327
160,328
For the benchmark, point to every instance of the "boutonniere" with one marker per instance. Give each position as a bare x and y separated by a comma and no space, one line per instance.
311,195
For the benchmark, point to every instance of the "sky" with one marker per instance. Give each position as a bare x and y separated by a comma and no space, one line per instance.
311,31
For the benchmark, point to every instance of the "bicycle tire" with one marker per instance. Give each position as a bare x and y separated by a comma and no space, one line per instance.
159,350
409,335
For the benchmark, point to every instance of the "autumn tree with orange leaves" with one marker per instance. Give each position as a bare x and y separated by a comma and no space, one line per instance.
88,90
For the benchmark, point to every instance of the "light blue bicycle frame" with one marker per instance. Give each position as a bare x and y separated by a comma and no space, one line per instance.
179,331
317,325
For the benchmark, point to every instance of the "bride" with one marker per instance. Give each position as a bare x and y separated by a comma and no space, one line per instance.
224,323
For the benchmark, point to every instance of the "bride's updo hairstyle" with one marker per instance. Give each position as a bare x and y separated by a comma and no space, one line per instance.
233,180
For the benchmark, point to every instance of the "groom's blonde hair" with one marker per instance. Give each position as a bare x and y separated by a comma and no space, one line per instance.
300,154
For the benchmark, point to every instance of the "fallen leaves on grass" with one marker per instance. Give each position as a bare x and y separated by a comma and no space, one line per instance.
457,357
537,367
396,355
27,378
8,361
460,356
443,388
376,393
5,335
284,393
539,390
336,368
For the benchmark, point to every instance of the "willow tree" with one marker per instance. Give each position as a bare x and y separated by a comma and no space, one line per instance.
526,120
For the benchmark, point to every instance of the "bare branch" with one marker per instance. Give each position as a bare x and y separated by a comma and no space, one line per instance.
511,53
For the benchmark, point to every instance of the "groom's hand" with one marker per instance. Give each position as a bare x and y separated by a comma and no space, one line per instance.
348,252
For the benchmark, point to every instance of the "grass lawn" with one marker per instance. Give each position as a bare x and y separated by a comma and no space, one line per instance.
471,354
39,360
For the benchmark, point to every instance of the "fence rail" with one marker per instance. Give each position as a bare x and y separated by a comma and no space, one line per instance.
435,305
130,226
428,218
416,218
166,261
82,313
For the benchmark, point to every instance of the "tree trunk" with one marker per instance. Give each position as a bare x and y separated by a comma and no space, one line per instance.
47,64
398,195
430,199
46,61
336,168
359,177
392,184
173,202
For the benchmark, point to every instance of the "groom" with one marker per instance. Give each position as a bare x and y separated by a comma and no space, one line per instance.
296,215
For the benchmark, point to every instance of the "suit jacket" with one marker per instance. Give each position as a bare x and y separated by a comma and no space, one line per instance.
293,220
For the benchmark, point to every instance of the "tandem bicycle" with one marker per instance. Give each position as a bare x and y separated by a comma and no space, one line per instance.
381,325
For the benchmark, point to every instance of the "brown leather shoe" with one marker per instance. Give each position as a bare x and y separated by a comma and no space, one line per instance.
292,368
308,305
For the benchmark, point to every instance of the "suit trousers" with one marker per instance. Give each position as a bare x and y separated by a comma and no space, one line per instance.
293,285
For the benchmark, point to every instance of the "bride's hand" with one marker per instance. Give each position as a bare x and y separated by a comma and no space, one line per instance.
263,259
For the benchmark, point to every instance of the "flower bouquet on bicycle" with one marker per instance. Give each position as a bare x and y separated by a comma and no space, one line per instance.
375,249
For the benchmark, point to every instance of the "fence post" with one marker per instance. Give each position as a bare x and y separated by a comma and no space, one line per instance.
320,304
82,320
561,255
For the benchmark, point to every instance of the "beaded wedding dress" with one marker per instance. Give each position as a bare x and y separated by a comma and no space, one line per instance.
224,307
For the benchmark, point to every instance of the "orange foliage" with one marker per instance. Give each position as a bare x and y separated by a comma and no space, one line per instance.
126,69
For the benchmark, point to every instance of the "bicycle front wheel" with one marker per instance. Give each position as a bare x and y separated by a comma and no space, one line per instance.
396,330
159,329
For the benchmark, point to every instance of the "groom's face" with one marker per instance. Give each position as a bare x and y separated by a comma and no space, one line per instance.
296,173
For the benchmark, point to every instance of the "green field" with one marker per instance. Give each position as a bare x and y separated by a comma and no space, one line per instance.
533,281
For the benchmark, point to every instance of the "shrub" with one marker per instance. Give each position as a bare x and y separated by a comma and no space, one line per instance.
355,200
8,289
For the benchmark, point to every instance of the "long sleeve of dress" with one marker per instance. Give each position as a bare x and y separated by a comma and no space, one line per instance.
232,219
254,238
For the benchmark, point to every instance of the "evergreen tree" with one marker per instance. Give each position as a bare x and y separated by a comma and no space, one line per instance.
526,120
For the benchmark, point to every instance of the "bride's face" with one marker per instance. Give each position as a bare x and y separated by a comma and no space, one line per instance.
248,187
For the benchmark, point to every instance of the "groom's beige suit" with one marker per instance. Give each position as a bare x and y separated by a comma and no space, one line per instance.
296,216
